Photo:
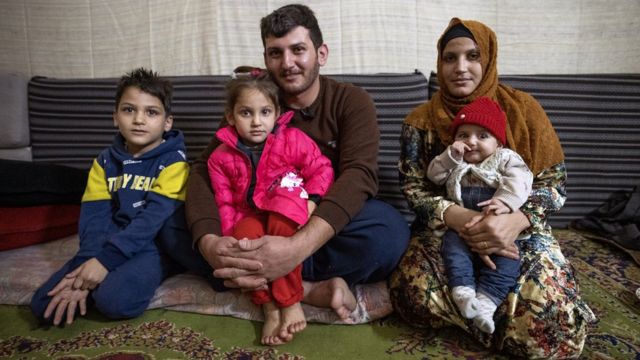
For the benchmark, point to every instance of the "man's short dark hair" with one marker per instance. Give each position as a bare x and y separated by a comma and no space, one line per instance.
148,82
288,17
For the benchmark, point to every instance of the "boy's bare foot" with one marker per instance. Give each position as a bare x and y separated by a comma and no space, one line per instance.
333,293
292,320
271,324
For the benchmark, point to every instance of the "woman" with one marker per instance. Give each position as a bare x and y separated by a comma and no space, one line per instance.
543,315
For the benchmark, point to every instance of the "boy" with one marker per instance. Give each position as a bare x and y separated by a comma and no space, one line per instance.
480,173
134,188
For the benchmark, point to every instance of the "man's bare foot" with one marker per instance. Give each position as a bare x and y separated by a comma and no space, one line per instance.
292,320
333,293
271,324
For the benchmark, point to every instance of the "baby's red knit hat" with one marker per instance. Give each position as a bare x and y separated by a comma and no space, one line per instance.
483,112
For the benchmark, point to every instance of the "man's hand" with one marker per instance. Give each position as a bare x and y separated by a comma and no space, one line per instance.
278,255
66,299
88,275
230,262
275,255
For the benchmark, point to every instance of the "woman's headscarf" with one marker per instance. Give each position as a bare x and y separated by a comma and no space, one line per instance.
529,131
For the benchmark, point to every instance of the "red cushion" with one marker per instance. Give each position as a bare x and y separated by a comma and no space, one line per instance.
23,226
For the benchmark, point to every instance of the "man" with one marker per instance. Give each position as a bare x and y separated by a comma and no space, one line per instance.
350,238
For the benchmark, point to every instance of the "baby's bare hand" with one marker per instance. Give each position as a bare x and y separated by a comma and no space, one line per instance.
458,149
494,206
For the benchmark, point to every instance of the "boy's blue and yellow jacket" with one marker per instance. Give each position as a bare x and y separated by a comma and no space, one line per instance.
128,200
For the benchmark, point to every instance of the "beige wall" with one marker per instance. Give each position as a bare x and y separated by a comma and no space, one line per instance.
98,38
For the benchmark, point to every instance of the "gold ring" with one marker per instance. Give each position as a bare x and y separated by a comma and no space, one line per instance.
484,243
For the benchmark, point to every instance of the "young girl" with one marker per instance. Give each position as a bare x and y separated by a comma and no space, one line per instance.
480,173
267,179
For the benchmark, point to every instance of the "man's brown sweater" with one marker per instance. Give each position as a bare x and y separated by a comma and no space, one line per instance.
343,122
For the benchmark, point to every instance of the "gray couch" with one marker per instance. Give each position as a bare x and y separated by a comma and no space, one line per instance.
68,121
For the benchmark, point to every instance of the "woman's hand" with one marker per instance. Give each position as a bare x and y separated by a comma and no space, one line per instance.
456,217
495,234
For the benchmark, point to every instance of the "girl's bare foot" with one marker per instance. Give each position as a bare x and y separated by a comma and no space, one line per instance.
271,324
292,321
333,293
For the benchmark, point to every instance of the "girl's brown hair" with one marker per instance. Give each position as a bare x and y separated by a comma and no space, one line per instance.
248,77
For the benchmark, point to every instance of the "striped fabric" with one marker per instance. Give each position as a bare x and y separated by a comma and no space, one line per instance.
71,119
395,96
597,118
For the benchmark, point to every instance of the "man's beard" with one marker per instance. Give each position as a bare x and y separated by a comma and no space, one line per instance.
294,90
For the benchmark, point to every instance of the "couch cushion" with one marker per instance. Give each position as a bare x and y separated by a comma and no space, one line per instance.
394,95
71,118
21,154
24,226
597,118
25,183
14,116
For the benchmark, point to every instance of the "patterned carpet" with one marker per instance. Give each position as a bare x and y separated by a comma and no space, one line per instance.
608,279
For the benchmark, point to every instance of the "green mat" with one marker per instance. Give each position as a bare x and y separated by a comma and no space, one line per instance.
165,334
608,279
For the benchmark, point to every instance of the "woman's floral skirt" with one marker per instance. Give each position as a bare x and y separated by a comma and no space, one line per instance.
542,317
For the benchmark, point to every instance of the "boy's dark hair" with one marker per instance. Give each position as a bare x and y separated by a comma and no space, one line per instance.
248,77
149,82
284,19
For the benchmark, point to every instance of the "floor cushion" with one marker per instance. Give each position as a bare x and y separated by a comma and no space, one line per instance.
24,226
